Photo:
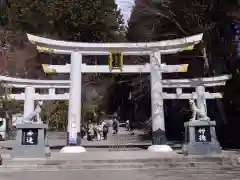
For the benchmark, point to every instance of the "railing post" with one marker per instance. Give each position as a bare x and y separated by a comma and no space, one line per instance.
29,101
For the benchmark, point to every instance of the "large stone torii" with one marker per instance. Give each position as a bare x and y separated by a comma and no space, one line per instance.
153,49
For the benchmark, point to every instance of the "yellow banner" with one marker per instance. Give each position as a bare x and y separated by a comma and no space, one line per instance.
46,69
188,48
44,49
219,96
183,68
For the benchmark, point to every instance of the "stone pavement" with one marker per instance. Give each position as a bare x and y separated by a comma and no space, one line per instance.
140,165
123,139
127,165
121,159
152,174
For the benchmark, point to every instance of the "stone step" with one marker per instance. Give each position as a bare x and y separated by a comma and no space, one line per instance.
113,166
123,160
88,157
113,162
187,162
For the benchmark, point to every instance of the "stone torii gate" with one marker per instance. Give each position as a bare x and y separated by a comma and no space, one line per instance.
77,50
30,85
154,50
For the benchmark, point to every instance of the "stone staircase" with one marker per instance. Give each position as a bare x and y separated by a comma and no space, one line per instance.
123,161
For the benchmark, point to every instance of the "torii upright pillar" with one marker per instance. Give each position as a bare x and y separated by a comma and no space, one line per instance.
74,109
159,143
29,101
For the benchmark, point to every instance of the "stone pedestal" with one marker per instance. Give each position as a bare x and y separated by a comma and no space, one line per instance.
31,141
200,138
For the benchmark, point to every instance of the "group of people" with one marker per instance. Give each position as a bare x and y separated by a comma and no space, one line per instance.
98,131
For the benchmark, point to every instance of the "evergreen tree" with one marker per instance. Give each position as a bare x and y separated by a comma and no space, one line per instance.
175,19
85,20
217,51
72,20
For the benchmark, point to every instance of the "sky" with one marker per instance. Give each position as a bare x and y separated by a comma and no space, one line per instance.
126,7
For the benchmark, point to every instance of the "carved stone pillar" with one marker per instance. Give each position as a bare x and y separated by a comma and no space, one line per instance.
29,101
159,143
74,109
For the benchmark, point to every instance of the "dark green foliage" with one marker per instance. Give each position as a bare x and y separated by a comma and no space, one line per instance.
160,20
75,20
9,107
92,20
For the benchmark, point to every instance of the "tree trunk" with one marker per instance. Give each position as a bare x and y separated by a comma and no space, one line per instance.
9,128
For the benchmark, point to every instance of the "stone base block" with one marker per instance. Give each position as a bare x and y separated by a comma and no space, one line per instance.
159,148
75,140
73,149
31,141
200,138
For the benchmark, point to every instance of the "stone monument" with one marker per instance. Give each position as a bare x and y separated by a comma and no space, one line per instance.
200,135
31,138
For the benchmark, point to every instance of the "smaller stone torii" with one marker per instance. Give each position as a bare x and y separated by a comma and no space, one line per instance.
155,68
31,85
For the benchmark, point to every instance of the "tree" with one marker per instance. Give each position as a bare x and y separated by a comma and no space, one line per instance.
8,107
10,66
55,114
174,19
93,20
86,20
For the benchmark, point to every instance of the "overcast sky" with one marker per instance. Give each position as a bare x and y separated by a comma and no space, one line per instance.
126,7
